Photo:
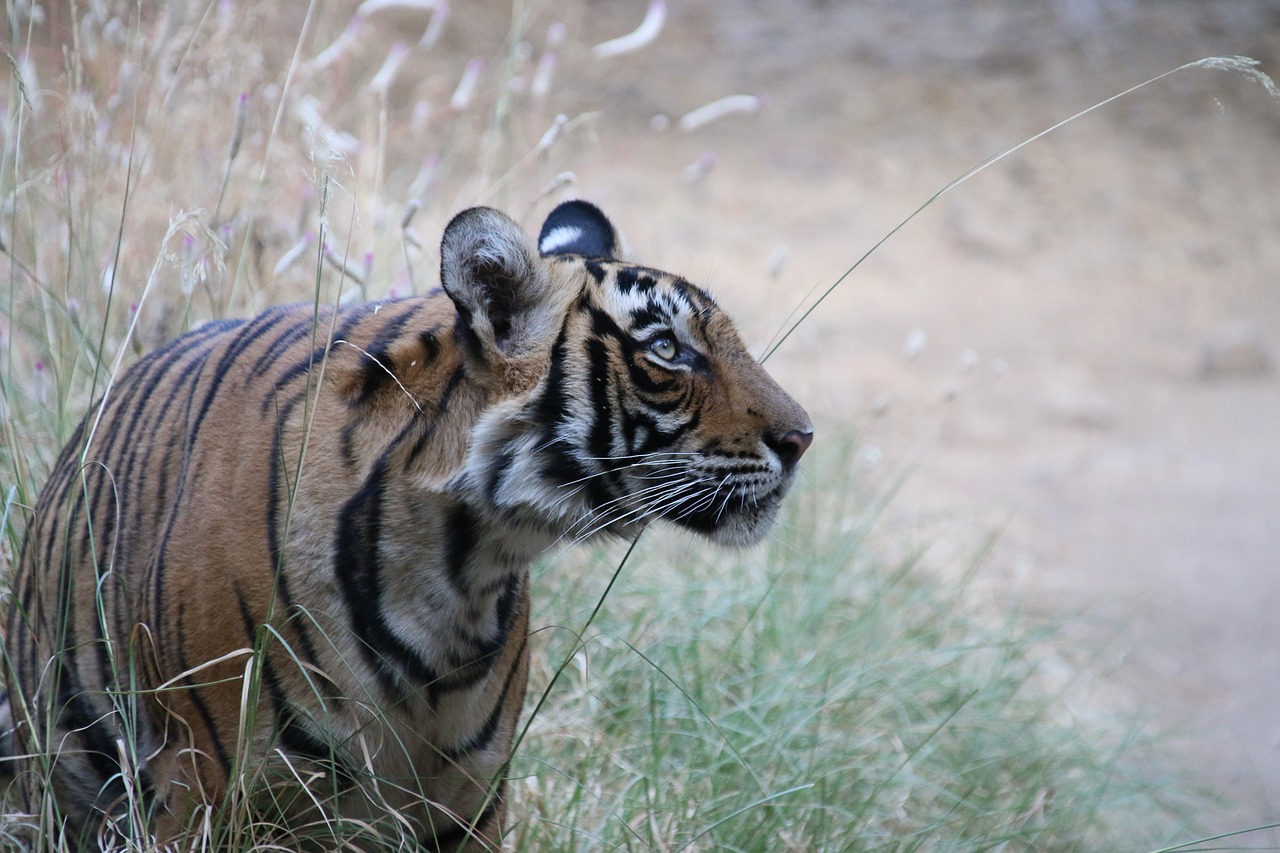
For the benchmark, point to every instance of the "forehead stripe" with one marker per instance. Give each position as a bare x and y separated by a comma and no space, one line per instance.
631,280
648,315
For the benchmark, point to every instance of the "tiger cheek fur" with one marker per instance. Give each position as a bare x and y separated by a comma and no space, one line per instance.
358,494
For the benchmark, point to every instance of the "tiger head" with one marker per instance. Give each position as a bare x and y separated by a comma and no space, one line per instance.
621,394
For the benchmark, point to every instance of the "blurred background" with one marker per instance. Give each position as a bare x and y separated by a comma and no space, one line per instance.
1075,348
1068,358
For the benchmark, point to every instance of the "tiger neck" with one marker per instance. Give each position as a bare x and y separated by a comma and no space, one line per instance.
533,491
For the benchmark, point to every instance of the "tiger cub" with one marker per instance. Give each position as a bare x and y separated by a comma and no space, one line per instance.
296,549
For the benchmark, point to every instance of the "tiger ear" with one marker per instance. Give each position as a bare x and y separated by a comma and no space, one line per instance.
578,228
492,272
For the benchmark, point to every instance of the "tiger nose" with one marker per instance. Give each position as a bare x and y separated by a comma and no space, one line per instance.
791,446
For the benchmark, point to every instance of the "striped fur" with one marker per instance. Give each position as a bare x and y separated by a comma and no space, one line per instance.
344,504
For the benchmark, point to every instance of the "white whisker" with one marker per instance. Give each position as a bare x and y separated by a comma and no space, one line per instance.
654,455
671,463
724,504
643,496
640,513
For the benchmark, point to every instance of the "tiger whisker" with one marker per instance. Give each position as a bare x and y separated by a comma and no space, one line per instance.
652,455
603,510
596,510
565,498
704,501
724,504
696,498
637,513
708,501
649,455
672,463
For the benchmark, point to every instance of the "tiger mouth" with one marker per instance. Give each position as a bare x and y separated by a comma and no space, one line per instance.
732,507
734,517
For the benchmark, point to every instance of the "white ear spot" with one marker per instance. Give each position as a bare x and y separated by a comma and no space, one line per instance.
558,238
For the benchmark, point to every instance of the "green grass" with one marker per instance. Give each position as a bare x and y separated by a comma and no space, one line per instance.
810,694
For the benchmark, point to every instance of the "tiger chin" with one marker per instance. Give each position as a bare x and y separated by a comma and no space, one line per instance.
297,547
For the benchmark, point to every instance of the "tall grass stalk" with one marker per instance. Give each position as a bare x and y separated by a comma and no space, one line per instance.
1235,64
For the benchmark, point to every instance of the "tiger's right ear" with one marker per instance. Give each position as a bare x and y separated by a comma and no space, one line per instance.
578,228
492,272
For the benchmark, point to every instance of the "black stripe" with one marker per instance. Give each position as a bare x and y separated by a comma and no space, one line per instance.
648,385
464,336
430,345
165,511
63,617
194,697
429,428
377,370
649,315
503,617
635,279
351,317
50,511
295,738
484,735
632,422
347,444
699,301
77,714
600,438
624,280
455,837
497,472
473,660
236,349
461,535
277,505
303,324
552,407
659,440
357,567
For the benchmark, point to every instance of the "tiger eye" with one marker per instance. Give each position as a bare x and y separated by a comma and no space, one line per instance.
664,348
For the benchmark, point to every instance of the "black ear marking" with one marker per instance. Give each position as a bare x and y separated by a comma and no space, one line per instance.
503,290
578,228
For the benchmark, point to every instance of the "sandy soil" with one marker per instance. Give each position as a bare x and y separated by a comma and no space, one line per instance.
1073,348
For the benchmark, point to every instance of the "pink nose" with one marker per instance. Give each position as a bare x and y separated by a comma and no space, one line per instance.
791,446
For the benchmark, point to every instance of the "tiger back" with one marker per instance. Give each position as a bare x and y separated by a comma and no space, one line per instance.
296,549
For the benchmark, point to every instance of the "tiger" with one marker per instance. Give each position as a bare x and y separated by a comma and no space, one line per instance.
284,563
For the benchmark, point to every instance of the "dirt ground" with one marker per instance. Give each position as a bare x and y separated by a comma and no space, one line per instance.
1074,349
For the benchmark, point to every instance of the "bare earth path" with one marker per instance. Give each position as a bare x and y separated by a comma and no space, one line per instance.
1034,345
